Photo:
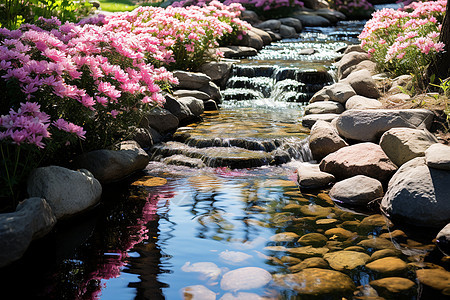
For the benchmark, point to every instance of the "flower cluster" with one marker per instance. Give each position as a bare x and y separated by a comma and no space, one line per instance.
403,41
268,5
354,9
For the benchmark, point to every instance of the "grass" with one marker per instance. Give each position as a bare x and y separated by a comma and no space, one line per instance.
125,5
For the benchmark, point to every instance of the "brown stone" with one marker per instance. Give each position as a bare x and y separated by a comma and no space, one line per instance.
388,266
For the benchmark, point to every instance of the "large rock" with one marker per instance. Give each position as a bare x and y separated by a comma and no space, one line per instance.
346,260
191,80
218,71
363,83
309,176
213,91
191,93
324,140
436,278
340,92
361,102
368,125
245,279
350,59
273,25
388,266
418,195
113,165
364,65
324,107
309,120
288,32
320,95
357,190
252,40
438,156
67,192
330,14
160,119
361,159
311,20
394,287
32,219
178,109
238,51
292,22
403,144
195,105
266,38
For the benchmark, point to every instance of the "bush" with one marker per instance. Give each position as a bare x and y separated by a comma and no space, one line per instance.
405,41
354,9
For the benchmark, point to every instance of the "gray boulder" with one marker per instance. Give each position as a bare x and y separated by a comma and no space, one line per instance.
311,20
309,120
210,105
238,51
273,25
218,71
324,107
251,39
143,137
403,144
292,22
191,80
213,91
160,119
370,124
288,32
340,92
67,192
266,38
178,109
358,190
195,105
438,156
360,159
191,93
113,165
363,83
250,16
324,140
32,219
350,59
309,176
418,195
332,15
321,95
354,48
361,102
364,65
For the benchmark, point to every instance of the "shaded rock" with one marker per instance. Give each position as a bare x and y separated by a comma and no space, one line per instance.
112,165
363,83
438,157
443,239
312,262
273,25
396,234
238,51
284,237
340,234
309,120
369,125
324,139
418,195
67,192
315,210
32,219
346,260
330,14
364,65
266,38
289,260
318,282
400,83
385,253
252,40
361,102
311,20
217,70
245,279
394,287
195,105
178,109
340,92
210,105
313,239
250,16
436,278
160,119
324,107
288,32
388,266
377,243
198,292
403,144
310,176
357,190
143,137
181,160
307,252
213,91
191,80
321,95
354,48
371,222
292,22
361,159
350,59
191,93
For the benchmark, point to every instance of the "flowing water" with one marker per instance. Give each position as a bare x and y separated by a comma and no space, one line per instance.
182,226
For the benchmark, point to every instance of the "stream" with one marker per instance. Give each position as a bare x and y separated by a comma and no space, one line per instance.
214,226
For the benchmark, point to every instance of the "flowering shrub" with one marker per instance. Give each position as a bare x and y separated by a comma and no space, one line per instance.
354,9
270,8
404,41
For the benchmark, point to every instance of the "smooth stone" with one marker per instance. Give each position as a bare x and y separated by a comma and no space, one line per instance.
313,239
357,190
217,70
324,139
191,93
198,292
273,25
245,279
307,51
310,176
396,234
143,137
67,192
208,270
181,160
307,251
370,124
349,225
388,266
403,144
32,219
418,195
377,243
309,120
311,20
346,260
371,222
443,239
320,95
324,107
438,156
178,109
340,234
250,16
318,283
195,105
252,40
238,51
399,83
394,287
266,38
350,59
360,159
284,237
288,32
316,210
160,119
436,278
340,92
330,14
363,83
289,260
210,105
326,221
355,248
385,253
364,65
361,102
292,22
213,91
191,80
312,262
234,257
113,165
